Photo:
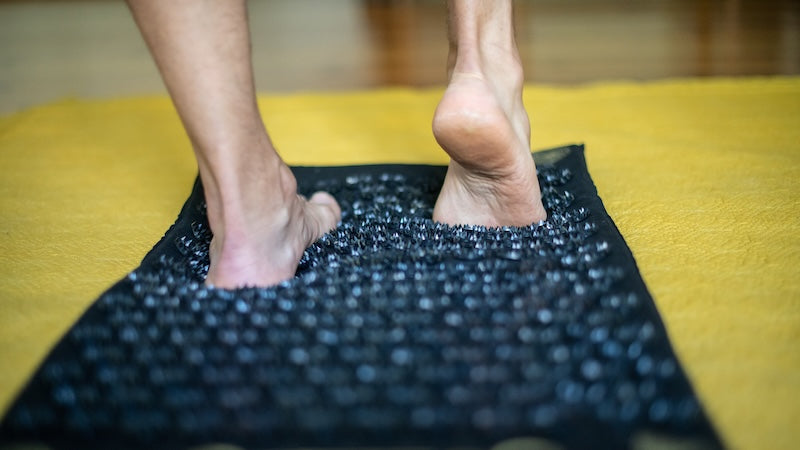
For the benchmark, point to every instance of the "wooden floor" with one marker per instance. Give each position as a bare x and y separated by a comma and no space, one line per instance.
52,49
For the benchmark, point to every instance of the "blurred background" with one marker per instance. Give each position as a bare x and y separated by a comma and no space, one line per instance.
91,48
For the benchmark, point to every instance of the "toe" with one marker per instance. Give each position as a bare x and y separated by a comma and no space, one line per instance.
326,211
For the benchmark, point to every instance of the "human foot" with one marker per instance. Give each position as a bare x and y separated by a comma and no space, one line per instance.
260,225
482,124
491,179
262,246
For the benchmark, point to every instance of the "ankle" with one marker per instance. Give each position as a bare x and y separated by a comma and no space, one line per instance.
242,198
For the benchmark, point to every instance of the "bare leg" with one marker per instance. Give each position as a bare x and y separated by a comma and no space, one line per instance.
482,124
261,226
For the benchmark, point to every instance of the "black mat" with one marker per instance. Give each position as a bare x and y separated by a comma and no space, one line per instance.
395,331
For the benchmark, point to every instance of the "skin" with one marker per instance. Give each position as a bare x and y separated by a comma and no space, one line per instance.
261,225
482,124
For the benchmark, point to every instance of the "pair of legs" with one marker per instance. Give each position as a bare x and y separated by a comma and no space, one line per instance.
261,225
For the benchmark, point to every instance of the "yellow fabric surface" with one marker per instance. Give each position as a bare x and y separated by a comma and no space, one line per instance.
700,176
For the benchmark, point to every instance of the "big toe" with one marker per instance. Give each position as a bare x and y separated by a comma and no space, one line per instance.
325,210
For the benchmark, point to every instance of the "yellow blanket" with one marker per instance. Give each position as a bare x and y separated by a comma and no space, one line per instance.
702,178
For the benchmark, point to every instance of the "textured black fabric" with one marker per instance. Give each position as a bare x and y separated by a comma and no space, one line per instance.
395,331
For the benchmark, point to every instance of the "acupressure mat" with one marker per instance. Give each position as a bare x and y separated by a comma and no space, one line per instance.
395,331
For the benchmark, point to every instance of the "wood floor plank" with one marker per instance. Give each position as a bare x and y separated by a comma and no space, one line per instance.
51,49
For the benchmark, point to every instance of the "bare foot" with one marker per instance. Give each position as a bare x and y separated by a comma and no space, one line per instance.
263,246
482,124
260,225
491,179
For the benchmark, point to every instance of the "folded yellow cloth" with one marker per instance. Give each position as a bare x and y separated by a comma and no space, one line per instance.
701,176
